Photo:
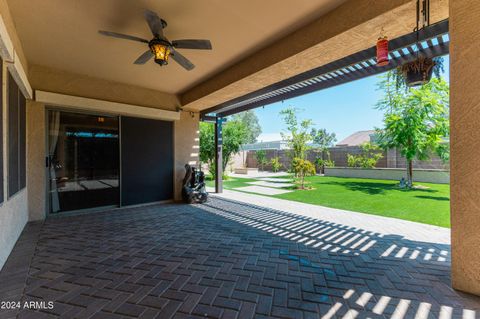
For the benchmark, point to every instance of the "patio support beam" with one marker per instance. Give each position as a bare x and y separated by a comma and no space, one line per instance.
218,156
351,27
465,145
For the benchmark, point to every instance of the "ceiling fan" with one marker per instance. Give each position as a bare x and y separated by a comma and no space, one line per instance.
160,48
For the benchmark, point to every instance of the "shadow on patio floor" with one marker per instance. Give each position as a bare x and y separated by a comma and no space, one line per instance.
225,259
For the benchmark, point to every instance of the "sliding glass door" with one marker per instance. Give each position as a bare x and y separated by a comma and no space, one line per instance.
83,161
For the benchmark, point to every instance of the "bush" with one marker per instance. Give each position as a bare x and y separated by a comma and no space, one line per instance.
276,165
353,161
209,177
302,168
322,163
367,159
261,157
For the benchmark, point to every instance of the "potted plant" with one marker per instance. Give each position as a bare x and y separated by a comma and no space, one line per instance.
418,72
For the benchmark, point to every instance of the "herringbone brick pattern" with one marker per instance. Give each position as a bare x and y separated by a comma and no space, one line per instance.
230,260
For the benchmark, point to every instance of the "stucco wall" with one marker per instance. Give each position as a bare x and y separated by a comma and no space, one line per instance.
57,81
13,217
425,176
36,160
186,141
12,32
465,144
14,210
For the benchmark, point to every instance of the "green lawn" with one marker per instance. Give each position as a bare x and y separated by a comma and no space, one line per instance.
377,197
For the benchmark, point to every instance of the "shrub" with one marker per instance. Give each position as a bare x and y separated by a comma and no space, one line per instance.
276,165
322,163
302,168
261,157
329,163
367,159
209,177
352,161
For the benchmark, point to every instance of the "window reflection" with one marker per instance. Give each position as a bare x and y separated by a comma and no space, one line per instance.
83,161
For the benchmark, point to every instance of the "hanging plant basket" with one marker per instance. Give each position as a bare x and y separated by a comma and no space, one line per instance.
418,72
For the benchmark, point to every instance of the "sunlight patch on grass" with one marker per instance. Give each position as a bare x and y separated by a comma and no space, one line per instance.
429,204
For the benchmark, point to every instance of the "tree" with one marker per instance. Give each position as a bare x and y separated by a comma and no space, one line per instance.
250,120
234,136
207,146
323,140
368,158
261,156
299,136
302,168
415,121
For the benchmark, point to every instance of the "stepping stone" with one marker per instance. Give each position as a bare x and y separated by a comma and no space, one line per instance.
262,190
270,184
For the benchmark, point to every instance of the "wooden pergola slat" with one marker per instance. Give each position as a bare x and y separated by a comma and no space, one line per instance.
347,69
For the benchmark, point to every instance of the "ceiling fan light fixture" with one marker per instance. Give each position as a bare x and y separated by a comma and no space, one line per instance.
161,51
160,48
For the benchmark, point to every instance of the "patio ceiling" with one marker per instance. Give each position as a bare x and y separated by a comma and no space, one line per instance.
433,41
62,35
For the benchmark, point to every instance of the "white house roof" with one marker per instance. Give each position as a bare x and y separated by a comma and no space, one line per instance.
357,138
269,137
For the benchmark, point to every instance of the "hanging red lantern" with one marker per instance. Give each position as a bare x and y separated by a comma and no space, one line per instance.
382,51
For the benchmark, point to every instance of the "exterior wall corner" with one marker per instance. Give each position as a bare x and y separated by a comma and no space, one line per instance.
186,147
36,173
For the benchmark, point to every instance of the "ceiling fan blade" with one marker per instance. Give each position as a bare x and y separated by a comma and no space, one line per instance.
192,44
147,55
180,59
122,36
155,23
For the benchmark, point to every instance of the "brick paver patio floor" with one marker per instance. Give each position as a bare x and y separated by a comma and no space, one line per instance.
226,259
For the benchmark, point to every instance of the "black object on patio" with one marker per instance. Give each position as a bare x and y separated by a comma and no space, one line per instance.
193,190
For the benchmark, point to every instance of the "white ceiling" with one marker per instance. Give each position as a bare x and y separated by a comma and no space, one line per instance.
62,34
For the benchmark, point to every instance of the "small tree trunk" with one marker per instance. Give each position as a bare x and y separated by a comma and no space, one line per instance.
409,173
321,167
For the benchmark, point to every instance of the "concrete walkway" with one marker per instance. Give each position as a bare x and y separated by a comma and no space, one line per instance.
261,174
263,190
378,224
275,184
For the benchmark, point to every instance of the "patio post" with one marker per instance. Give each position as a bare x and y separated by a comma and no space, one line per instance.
218,155
464,145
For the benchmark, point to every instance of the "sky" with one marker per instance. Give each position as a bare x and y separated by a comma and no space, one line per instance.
344,109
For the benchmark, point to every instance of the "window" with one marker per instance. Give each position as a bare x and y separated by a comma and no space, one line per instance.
16,138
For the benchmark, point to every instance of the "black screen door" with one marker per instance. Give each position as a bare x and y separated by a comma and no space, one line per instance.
83,161
146,160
